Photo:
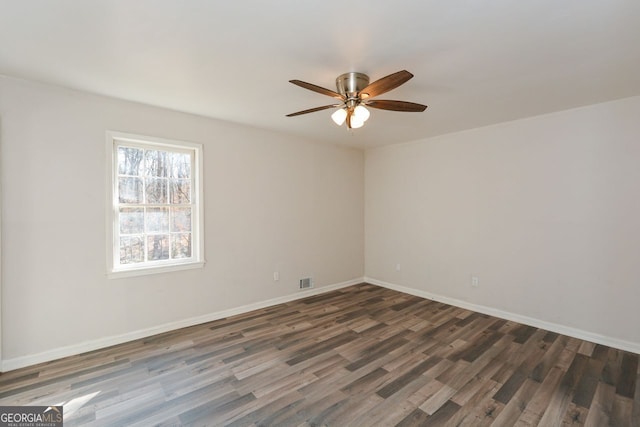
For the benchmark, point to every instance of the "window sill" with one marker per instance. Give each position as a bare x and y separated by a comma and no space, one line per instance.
144,271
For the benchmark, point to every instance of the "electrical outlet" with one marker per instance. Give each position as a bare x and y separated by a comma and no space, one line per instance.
475,281
398,267
276,276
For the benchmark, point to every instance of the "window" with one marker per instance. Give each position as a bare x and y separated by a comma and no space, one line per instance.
156,205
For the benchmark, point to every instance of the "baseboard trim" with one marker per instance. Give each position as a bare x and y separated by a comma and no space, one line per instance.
554,327
72,350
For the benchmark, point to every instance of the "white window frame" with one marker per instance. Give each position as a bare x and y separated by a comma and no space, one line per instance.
114,269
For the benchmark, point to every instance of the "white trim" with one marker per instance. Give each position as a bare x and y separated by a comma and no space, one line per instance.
198,259
631,346
72,350
143,271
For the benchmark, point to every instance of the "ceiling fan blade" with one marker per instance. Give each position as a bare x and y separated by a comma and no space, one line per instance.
385,84
313,110
396,105
349,113
318,89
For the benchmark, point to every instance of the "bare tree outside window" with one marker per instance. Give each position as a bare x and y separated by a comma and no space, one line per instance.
154,195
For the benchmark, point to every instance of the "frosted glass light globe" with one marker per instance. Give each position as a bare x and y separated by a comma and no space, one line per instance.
339,116
356,122
361,113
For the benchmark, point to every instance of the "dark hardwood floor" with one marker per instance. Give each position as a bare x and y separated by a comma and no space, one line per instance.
360,356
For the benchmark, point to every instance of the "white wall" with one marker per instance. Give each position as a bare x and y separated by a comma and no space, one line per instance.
271,202
545,211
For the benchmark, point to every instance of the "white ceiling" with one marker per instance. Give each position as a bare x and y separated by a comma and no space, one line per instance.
475,62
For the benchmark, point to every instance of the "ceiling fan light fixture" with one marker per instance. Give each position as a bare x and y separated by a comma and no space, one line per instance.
361,113
356,122
339,116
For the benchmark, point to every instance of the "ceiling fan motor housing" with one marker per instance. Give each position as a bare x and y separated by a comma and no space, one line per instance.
350,84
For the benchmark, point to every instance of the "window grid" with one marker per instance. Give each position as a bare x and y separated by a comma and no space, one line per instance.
156,205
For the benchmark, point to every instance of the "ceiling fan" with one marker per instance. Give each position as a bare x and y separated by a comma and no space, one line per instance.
355,92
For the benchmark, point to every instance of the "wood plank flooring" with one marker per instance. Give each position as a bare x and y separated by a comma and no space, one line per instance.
359,356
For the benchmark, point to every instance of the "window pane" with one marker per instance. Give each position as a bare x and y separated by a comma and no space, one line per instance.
157,247
131,220
180,191
181,245
131,249
180,165
180,219
157,220
129,161
154,186
156,190
130,190
155,163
